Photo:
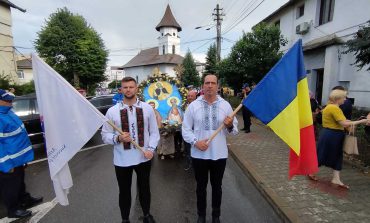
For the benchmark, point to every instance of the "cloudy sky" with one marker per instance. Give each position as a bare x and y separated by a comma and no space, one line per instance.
127,26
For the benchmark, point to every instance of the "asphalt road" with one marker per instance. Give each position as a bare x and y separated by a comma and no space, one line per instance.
94,196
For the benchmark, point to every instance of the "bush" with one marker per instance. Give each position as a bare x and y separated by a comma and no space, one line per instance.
20,89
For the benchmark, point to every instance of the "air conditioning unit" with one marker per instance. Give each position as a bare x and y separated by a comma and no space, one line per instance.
302,28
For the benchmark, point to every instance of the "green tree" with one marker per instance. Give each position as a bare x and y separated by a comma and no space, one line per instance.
73,48
211,60
114,84
360,46
252,56
190,76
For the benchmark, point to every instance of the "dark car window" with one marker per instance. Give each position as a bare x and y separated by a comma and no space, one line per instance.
36,112
22,107
101,101
95,102
106,101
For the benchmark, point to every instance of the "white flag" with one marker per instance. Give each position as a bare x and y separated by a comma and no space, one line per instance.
69,121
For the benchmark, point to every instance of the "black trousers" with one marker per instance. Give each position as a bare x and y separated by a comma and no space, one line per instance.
13,188
246,118
124,178
187,152
178,141
215,169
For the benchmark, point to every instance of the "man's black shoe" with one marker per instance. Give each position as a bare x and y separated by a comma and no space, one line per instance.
215,219
125,221
148,219
201,219
20,213
242,129
31,201
247,131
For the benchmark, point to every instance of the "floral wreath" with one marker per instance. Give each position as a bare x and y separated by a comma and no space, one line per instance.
163,77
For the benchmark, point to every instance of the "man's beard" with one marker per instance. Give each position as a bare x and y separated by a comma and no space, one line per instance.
131,97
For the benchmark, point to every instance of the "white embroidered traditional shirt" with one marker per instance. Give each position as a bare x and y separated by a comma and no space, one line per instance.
133,156
201,119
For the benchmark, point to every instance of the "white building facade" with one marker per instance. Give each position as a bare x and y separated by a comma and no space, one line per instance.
324,26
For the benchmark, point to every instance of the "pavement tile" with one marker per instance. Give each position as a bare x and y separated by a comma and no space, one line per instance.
265,157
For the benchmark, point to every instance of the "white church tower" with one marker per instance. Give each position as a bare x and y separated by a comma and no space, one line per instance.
169,40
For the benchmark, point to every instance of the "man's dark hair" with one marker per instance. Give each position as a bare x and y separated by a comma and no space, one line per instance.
128,79
339,88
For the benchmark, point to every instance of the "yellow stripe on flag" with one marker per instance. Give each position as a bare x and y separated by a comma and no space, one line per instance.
304,104
286,126
288,123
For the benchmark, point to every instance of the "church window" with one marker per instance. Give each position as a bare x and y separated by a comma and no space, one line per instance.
173,49
174,34
163,50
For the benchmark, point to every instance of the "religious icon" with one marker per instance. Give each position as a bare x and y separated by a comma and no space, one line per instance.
160,90
175,113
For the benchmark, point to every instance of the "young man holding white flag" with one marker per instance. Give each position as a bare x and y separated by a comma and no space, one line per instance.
138,123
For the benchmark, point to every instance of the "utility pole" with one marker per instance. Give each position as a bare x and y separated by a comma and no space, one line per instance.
218,18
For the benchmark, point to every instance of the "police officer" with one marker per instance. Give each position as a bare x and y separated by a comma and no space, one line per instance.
15,151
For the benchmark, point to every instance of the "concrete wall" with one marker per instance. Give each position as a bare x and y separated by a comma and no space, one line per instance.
168,41
7,60
143,72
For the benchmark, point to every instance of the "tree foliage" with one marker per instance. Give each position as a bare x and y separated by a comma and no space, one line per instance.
114,84
73,48
20,89
211,60
252,56
190,75
360,46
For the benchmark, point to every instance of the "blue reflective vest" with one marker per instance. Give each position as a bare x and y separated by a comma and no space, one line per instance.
15,145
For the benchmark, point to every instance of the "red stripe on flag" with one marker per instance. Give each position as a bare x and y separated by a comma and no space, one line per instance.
306,163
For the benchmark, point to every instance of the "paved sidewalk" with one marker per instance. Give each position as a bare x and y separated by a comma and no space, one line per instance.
264,157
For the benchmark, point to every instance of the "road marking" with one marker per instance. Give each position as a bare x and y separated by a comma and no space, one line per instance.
41,210
84,149
38,212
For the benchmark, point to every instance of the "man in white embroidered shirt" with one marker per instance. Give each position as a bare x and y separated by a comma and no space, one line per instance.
138,123
201,119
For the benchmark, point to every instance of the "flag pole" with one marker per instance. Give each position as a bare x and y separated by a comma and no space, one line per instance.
121,132
223,125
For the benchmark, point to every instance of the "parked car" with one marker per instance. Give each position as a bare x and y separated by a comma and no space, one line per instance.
102,102
27,109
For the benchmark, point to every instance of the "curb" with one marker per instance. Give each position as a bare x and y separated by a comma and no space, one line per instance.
278,204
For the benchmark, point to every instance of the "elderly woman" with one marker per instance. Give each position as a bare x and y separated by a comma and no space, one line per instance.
330,144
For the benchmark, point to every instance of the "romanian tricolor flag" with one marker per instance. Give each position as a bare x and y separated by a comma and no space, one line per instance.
281,101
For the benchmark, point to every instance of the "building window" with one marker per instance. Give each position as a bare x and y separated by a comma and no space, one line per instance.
173,49
174,34
163,50
20,74
300,11
326,11
162,34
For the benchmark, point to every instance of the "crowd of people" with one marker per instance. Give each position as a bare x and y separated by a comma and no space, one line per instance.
140,122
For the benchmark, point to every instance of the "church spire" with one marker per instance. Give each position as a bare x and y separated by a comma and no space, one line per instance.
168,20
